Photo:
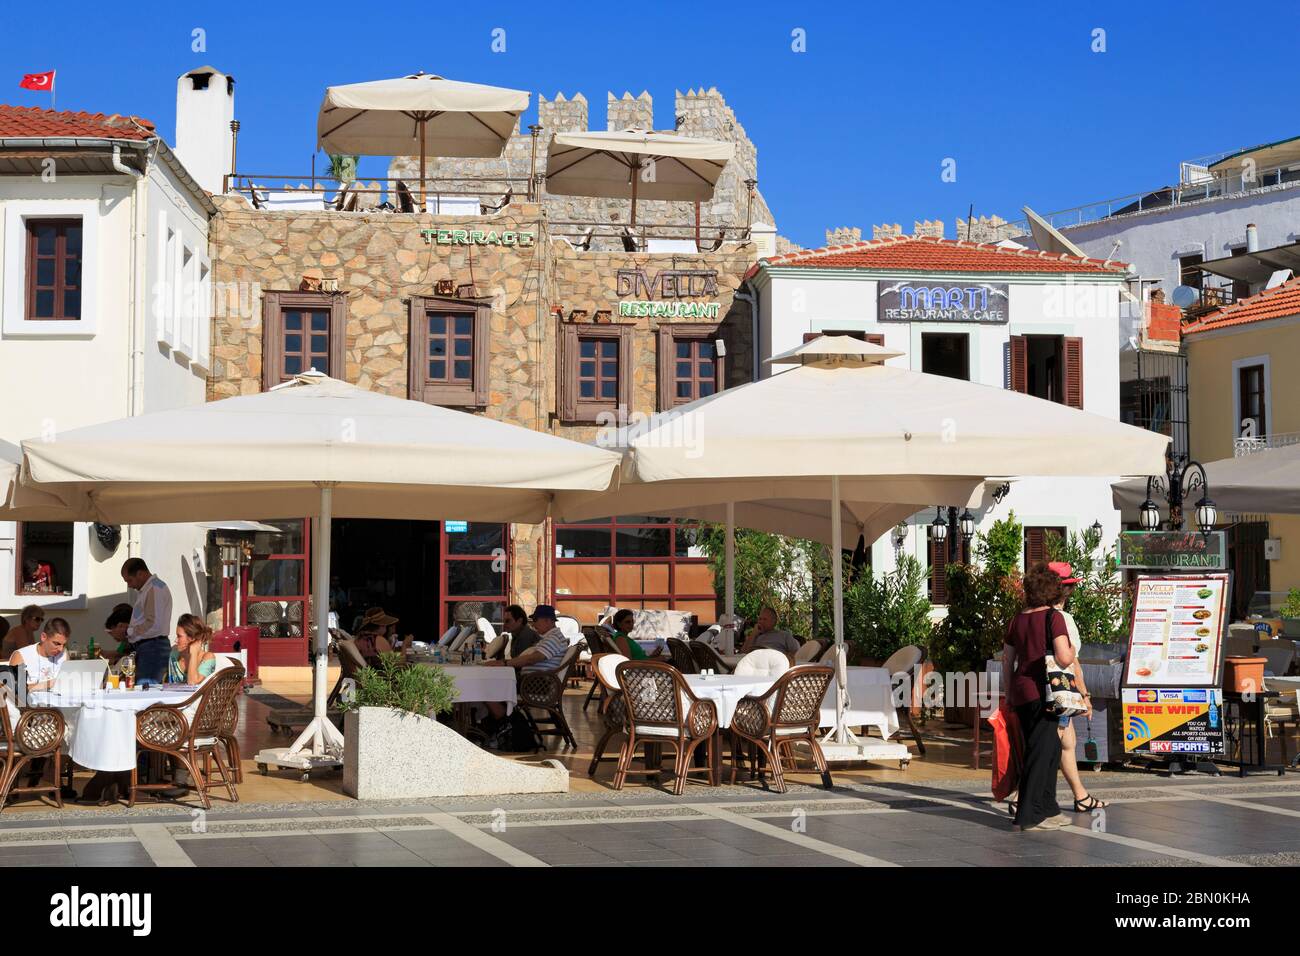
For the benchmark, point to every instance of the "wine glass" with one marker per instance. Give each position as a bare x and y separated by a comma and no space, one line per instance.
127,667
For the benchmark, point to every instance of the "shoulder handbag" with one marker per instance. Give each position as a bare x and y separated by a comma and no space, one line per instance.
1062,699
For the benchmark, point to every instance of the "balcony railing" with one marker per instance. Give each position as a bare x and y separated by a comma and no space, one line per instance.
1219,184
1247,446
474,196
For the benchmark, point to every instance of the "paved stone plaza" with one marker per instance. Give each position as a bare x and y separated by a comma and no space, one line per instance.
1191,821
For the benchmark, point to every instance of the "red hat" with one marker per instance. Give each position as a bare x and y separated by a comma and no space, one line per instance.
1064,571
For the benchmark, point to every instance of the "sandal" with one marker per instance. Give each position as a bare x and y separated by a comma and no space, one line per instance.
1088,804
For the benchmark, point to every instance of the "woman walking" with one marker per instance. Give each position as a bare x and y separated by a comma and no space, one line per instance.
1035,632
1084,802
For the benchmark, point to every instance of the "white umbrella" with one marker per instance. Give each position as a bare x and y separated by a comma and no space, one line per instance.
319,447
419,113
21,503
632,163
842,416
1262,482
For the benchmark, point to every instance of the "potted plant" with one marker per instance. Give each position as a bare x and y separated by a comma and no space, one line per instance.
394,746
1290,614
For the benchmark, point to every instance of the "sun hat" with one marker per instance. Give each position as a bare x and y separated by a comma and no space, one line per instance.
1064,572
377,615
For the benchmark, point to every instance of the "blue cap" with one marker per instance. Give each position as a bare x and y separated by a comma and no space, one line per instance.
543,610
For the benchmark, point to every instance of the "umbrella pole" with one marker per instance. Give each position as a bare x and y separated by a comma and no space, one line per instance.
424,199
636,174
837,587
324,737
729,631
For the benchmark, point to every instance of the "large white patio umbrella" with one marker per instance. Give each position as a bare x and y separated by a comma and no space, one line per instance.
24,503
420,113
842,417
1261,482
317,447
635,163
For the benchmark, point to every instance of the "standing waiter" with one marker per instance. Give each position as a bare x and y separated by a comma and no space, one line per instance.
151,617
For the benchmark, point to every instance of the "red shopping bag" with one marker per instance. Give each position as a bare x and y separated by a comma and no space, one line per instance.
1008,752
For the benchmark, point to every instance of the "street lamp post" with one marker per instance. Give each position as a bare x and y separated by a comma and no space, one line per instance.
1182,478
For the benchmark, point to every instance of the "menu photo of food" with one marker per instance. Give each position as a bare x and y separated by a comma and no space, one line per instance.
1177,625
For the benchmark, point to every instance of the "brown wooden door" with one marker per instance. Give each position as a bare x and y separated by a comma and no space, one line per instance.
1073,372
1019,364
1250,571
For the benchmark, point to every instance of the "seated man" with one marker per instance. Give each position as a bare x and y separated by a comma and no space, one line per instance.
765,635
44,658
515,623
115,628
545,655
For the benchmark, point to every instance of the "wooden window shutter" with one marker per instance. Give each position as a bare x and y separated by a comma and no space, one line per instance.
1019,364
938,571
1035,547
1074,372
567,390
876,338
666,379
272,340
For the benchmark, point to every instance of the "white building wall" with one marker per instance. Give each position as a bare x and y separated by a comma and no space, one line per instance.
813,302
65,377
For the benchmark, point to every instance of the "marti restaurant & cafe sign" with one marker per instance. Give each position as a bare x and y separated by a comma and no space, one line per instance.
922,301
638,293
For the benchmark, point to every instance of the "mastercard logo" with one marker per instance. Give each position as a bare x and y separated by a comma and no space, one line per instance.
1147,696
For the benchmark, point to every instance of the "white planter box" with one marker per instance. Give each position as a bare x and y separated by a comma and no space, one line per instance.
392,753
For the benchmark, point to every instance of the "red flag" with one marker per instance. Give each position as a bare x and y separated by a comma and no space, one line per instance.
38,81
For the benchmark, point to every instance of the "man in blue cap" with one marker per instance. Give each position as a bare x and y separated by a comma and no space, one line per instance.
545,655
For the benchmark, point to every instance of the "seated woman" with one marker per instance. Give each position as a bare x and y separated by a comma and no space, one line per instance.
620,628
191,661
371,642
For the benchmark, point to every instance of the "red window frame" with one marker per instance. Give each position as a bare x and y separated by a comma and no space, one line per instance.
612,597
287,651
60,258
446,558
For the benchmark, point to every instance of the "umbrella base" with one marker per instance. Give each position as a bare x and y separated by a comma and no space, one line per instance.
283,758
864,750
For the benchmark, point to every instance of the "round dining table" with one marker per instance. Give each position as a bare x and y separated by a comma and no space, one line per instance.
101,725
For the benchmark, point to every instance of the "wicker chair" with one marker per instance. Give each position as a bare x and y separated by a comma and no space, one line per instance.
683,659
38,733
612,709
811,651
787,713
706,657
599,642
908,660
662,710
544,690
168,729
226,733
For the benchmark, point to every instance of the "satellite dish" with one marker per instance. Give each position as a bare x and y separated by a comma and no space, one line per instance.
1184,296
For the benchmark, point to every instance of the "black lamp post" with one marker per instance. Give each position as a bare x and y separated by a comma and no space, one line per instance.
1182,478
941,527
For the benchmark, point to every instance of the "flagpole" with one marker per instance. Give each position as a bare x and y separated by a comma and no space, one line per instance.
53,78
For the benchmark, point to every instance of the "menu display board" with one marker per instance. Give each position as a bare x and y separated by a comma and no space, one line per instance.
1177,631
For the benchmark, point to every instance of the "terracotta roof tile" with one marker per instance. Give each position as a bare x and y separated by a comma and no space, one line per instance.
1275,303
24,121
931,254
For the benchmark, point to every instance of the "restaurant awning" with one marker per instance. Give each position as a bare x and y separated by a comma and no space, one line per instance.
1255,267
1262,482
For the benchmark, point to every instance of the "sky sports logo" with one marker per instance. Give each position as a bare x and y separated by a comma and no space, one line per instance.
92,910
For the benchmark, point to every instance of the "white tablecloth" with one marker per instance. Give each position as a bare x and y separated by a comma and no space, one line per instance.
101,726
725,690
870,701
479,684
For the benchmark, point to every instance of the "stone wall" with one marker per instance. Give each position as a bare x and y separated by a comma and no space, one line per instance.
380,260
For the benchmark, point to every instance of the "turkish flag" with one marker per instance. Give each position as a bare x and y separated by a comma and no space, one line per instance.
38,81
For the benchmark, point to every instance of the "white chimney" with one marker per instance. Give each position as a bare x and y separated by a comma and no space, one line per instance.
205,107
1252,238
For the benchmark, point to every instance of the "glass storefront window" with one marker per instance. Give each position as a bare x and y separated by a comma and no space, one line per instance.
474,578
583,542
479,538
643,542
276,578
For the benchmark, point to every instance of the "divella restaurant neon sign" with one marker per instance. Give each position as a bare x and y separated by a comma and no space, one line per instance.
667,284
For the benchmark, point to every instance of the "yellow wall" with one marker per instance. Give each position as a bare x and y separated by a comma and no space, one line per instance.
1211,385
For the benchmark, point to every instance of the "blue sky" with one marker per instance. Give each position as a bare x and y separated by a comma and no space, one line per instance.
853,131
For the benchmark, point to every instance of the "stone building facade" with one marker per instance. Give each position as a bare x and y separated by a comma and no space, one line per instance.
535,288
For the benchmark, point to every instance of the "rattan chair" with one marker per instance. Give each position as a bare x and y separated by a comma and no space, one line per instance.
599,642
788,713
544,690
170,730
908,660
37,734
227,734
811,651
707,658
683,659
662,710
613,711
